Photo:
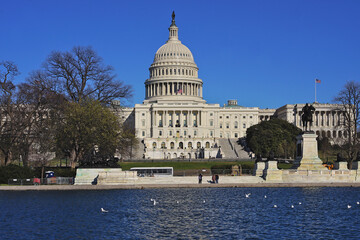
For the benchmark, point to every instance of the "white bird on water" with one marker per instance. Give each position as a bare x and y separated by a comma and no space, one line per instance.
357,203
265,196
292,206
204,201
247,195
103,210
275,206
348,206
299,203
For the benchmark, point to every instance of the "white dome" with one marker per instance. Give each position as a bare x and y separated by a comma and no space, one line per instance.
173,50
173,73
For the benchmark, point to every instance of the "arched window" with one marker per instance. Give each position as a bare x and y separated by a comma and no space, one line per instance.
235,124
163,145
181,145
318,133
198,145
154,145
189,145
328,134
207,145
172,145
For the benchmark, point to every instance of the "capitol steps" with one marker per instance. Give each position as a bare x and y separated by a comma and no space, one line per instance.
227,149
241,153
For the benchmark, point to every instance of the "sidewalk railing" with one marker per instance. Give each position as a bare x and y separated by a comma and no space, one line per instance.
42,181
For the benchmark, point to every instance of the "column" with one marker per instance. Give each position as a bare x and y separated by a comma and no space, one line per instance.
191,119
173,88
201,93
181,119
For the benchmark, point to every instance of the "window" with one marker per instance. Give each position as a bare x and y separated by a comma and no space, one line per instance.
184,133
220,125
195,133
154,144
227,117
160,123
143,133
163,145
211,114
189,145
207,145
211,133
143,123
236,125
250,116
227,125
235,116
236,135
172,145
244,125
244,117
160,133
143,114
211,123
221,135
220,117
170,133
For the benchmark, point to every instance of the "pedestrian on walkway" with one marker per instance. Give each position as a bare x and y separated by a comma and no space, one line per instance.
200,178
216,178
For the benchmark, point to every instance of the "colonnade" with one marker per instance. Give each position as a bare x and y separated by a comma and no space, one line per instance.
173,88
322,118
166,71
176,118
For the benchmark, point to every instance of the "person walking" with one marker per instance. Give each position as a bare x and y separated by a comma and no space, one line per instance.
216,178
200,178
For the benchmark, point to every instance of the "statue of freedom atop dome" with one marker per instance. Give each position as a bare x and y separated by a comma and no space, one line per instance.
307,117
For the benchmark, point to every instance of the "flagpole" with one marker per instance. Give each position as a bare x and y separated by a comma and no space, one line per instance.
315,89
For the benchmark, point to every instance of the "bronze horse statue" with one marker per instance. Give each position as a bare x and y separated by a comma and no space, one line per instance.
306,118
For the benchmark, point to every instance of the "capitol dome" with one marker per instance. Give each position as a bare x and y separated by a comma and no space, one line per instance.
173,73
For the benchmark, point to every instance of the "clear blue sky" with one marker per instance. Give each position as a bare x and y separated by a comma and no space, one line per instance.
265,53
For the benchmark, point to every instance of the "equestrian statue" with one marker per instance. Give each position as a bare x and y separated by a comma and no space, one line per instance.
307,117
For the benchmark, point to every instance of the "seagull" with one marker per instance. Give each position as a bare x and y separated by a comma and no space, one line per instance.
275,206
247,195
177,201
152,200
299,203
155,202
292,206
204,201
349,206
357,203
103,210
265,196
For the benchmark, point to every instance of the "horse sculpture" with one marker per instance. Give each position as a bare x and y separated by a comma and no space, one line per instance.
307,117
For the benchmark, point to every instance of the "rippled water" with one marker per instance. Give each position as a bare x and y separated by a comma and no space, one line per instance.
225,214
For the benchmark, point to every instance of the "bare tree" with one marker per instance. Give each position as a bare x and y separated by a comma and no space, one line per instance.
349,98
8,123
80,74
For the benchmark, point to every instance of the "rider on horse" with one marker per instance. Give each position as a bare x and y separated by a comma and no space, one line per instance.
307,116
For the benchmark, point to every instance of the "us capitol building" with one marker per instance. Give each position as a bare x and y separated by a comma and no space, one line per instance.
174,121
